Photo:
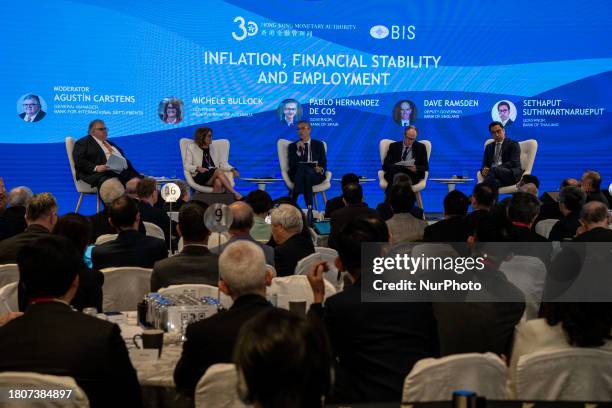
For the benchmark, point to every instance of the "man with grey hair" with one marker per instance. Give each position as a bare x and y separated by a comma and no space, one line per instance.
240,229
110,190
571,200
594,222
244,277
292,245
32,111
41,216
12,220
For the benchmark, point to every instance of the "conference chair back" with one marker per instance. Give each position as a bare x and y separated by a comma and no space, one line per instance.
81,187
8,273
30,381
153,230
218,388
332,275
8,298
124,287
295,288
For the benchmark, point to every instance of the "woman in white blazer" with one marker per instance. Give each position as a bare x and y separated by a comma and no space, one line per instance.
206,165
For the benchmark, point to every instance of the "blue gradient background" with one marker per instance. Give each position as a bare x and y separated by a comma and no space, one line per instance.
153,49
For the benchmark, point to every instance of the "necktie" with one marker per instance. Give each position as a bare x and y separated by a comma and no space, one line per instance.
496,156
405,155
109,148
306,151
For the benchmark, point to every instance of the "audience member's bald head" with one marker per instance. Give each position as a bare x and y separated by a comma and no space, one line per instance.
19,196
131,187
594,214
529,188
111,190
242,214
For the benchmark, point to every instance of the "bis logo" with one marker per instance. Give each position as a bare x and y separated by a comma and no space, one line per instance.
395,32
245,29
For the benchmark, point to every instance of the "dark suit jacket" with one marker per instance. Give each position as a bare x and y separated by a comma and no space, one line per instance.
267,249
211,341
510,155
195,264
474,218
156,216
12,222
11,246
452,229
100,225
52,339
318,155
376,344
41,114
565,228
87,155
131,248
595,235
419,152
597,196
332,205
343,216
287,255
385,211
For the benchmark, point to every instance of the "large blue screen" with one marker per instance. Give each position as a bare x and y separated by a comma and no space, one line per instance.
348,65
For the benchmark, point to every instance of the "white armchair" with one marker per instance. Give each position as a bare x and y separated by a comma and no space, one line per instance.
529,148
81,187
283,158
418,187
221,147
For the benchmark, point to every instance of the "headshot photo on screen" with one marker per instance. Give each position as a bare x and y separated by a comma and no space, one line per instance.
31,108
504,112
289,112
171,110
404,113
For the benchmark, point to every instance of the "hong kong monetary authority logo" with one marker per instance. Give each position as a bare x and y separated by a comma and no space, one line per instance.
379,32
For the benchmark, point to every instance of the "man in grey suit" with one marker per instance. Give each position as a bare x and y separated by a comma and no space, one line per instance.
195,264
243,219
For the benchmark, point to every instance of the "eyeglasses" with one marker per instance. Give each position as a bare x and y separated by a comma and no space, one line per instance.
29,105
102,129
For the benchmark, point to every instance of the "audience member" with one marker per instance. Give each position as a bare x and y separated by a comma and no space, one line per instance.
77,228
550,204
12,219
261,203
244,277
51,338
242,222
131,248
453,228
523,209
479,327
292,246
195,264
131,188
529,188
41,216
337,203
375,344
571,200
283,360
562,325
482,200
591,185
3,196
384,209
182,200
594,223
109,191
306,230
352,194
403,226
148,196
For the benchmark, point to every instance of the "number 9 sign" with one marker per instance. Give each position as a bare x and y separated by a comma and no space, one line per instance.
170,192
218,218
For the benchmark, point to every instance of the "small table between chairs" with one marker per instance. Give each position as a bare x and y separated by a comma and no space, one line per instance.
262,182
452,182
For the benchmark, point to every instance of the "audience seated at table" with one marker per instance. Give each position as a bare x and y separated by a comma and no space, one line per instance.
453,228
375,344
195,264
51,338
131,248
337,203
261,203
384,209
41,216
244,277
240,228
403,226
12,219
285,361
352,194
562,325
571,200
292,245
148,197
482,199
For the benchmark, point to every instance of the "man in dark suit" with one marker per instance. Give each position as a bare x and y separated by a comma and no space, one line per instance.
243,219
147,199
483,198
595,222
504,111
591,185
91,154
12,220
210,341
571,200
501,164
195,264
41,216
523,210
292,246
337,203
410,151
453,228
375,344
352,194
550,203
51,338
32,111
131,248
302,156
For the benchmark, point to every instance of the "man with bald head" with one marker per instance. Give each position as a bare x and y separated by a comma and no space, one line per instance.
594,223
242,222
91,154
408,157
12,220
